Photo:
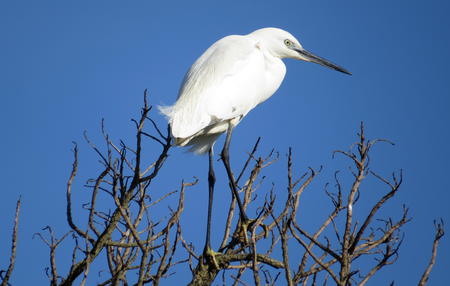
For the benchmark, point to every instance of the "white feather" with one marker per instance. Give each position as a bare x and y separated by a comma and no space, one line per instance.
228,80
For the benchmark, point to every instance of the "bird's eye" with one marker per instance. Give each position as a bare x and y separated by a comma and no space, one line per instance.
287,43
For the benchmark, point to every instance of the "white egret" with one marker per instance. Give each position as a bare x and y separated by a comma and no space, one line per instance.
229,79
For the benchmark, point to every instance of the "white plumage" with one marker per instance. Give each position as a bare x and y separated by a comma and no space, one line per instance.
232,77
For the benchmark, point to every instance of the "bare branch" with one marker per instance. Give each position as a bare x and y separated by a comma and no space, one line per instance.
439,233
69,192
376,207
316,259
12,258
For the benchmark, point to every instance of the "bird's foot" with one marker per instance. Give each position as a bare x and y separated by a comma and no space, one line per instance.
245,225
240,234
249,225
209,257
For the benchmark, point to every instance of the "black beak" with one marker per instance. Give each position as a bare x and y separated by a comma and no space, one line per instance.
321,61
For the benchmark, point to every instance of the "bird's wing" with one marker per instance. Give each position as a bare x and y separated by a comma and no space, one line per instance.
225,82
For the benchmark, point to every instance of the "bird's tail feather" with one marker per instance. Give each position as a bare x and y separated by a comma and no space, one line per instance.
202,144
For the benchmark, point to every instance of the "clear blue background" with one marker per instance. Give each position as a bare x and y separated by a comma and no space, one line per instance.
64,65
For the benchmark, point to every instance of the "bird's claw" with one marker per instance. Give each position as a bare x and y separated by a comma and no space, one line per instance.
209,257
249,225
246,225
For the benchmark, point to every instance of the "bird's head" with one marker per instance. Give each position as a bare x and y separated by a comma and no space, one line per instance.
282,44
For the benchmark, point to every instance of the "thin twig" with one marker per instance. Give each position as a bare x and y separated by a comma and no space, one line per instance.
12,258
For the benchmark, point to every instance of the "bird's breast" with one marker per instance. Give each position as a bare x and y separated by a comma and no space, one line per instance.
245,88
275,70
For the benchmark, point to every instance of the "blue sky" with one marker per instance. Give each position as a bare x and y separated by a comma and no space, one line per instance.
65,65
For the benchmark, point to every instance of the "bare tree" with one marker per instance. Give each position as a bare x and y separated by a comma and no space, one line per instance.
144,246
323,259
133,239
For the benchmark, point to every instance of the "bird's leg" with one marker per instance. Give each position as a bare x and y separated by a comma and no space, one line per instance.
245,221
211,182
208,253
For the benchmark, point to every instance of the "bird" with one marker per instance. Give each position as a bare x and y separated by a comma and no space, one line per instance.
232,77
